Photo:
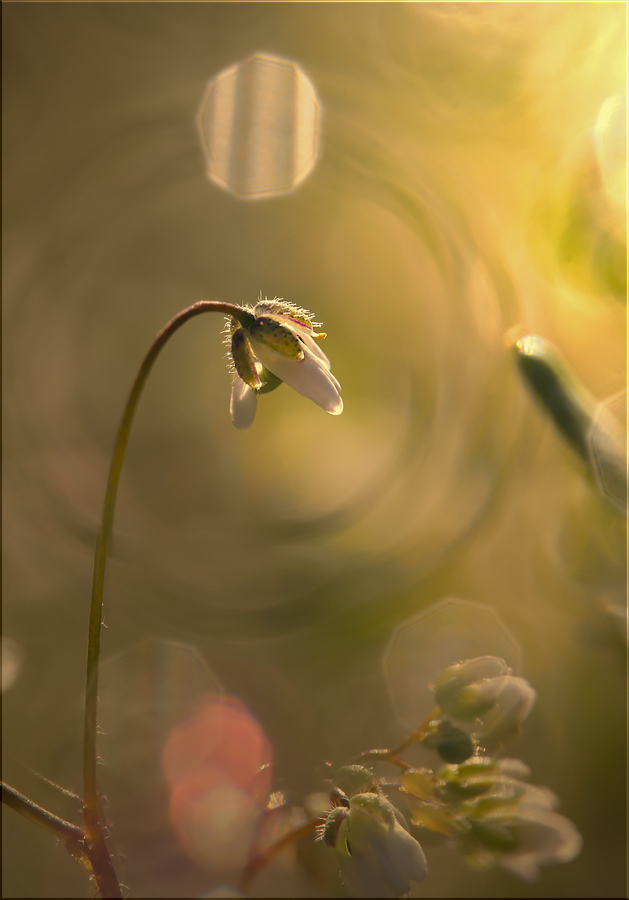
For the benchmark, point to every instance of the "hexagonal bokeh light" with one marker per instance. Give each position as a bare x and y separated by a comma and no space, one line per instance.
424,645
607,447
259,124
144,692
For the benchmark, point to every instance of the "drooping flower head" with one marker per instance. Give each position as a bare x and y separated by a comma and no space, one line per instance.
276,341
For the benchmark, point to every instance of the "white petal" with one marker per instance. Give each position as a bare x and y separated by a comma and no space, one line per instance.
316,351
314,347
542,837
514,699
243,403
309,376
383,862
305,335
405,854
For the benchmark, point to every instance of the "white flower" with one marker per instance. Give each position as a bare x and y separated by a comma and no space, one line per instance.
378,857
277,342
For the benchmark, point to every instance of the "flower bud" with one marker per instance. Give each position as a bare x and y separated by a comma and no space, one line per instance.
452,744
484,689
378,857
355,780
456,678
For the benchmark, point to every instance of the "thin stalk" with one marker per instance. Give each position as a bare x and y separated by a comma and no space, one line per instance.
34,813
106,878
392,755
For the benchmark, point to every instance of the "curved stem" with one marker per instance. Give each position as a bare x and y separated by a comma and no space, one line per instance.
106,879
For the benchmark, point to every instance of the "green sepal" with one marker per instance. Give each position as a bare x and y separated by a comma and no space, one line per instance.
276,337
244,360
329,831
269,381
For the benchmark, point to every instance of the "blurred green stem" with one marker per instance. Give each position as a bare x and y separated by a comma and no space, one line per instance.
106,879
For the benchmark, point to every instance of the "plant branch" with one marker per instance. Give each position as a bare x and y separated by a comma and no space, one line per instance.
25,807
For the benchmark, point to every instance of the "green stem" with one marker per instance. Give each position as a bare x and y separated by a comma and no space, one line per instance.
106,879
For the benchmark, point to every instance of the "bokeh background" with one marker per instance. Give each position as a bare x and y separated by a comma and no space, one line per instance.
460,191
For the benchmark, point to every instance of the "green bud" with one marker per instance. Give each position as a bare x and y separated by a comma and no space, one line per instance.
492,804
452,744
455,678
276,337
493,836
479,765
471,702
468,779
355,780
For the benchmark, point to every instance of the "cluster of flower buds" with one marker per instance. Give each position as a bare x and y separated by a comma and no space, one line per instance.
479,804
276,341
485,808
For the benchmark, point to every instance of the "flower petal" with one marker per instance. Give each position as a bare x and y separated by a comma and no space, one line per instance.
542,837
383,859
243,403
404,857
310,377
313,345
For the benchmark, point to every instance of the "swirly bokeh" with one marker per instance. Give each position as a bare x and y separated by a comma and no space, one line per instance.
461,177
